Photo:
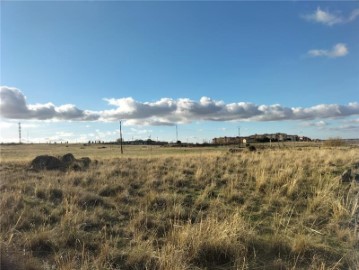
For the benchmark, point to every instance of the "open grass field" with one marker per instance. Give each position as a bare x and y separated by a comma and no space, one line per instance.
27,152
180,208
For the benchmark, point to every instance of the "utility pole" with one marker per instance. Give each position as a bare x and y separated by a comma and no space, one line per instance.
19,133
121,137
239,136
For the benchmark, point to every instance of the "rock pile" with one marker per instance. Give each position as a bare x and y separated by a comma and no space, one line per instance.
65,162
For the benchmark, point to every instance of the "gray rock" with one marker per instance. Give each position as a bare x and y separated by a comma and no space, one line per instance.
68,158
68,161
46,162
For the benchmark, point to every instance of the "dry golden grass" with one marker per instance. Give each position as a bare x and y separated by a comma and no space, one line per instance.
26,152
269,209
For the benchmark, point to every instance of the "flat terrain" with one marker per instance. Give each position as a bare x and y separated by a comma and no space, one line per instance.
27,152
180,208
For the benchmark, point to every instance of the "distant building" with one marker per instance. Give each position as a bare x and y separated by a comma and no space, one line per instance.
227,140
304,139
257,138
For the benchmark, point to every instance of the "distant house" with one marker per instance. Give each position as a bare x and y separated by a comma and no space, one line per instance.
292,138
226,140
304,139
258,138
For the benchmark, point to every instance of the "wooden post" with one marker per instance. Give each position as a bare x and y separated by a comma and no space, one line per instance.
121,137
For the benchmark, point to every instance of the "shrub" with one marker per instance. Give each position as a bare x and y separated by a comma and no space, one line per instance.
41,194
252,148
56,195
42,244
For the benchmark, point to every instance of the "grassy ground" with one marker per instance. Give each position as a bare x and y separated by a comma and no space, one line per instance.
164,208
26,152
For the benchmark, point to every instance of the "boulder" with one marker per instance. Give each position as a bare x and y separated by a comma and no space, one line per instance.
45,162
68,161
68,158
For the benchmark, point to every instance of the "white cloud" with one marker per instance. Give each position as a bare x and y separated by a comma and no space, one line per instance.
319,124
128,108
64,134
139,131
7,125
148,122
348,128
353,15
328,18
13,106
338,50
167,111
324,17
29,125
354,120
347,125
60,136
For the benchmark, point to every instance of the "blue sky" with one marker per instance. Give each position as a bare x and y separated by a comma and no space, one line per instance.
264,66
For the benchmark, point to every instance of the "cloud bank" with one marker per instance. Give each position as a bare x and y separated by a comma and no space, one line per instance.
13,106
166,111
327,18
338,50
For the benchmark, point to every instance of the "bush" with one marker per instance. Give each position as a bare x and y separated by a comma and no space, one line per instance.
252,148
42,245
56,195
